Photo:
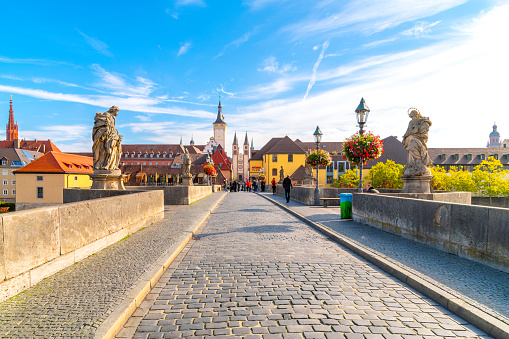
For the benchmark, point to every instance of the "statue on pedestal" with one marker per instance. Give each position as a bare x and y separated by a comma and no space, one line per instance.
281,175
186,169
106,150
308,172
416,174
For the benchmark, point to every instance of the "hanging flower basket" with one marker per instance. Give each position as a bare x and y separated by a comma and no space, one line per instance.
209,170
366,147
319,158
261,177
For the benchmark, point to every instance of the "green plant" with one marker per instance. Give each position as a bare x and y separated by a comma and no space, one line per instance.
347,180
387,175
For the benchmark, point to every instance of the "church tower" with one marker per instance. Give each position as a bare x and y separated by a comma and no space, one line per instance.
11,131
235,157
245,158
494,138
220,127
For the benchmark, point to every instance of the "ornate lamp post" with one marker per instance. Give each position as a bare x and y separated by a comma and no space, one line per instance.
318,137
362,112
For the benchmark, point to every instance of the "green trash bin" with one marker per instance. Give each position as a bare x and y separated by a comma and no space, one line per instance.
346,205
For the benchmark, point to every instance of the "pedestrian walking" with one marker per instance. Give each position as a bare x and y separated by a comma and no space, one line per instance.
287,185
262,185
274,186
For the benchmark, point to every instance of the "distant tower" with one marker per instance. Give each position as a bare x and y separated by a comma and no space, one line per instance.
494,138
192,140
219,126
180,139
235,157
11,131
252,145
245,158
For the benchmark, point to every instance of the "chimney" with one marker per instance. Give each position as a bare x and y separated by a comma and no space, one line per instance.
43,148
17,143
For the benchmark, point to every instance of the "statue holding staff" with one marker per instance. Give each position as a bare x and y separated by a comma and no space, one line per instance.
107,148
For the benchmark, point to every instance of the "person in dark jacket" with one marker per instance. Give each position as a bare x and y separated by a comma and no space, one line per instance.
274,186
287,185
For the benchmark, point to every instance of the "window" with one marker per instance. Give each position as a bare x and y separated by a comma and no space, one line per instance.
6,182
274,157
144,164
158,155
221,165
157,163
6,192
75,178
150,163
40,193
4,162
330,173
13,192
455,157
4,172
137,163
234,152
469,157
274,171
151,155
341,167
139,155
13,182
290,157
482,156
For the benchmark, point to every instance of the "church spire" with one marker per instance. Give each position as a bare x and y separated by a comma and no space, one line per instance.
252,144
246,141
220,117
235,139
180,139
11,131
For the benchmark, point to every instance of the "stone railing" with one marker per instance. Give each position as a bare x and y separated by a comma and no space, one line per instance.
478,233
40,242
178,194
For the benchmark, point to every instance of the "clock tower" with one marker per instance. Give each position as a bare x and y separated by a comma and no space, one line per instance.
219,126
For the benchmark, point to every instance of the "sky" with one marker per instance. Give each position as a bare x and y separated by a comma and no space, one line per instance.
280,67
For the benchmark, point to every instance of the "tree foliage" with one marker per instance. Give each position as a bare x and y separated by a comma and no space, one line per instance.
347,180
386,175
488,179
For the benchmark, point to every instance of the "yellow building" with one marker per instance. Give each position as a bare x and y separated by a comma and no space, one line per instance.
291,155
42,182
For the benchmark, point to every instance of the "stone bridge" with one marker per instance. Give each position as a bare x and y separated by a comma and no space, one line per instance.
251,265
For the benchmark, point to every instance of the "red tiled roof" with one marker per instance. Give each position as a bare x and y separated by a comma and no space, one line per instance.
286,146
57,162
43,146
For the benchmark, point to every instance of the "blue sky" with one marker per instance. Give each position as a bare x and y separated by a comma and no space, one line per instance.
281,67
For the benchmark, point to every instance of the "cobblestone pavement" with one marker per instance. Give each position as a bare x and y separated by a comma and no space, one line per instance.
256,271
75,301
486,287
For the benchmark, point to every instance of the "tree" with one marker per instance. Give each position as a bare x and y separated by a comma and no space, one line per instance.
441,179
387,175
490,178
347,180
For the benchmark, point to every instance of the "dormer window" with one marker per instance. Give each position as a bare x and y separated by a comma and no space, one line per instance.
469,157
442,157
4,162
482,156
455,157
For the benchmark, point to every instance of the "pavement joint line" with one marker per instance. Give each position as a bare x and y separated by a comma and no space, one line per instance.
118,318
476,316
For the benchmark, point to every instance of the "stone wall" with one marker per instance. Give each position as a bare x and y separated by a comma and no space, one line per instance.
493,202
40,242
75,194
475,232
178,195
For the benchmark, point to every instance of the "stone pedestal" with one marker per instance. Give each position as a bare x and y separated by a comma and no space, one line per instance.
309,181
417,184
108,180
187,180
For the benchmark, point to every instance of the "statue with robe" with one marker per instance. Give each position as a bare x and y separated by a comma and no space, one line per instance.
107,148
281,174
414,141
186,167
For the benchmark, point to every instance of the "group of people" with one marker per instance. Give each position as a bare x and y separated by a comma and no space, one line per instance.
287,185
241,186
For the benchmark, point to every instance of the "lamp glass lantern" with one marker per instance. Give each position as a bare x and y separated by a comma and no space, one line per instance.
362,112
318,135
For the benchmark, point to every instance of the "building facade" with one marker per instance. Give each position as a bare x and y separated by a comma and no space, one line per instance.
41,183
10,160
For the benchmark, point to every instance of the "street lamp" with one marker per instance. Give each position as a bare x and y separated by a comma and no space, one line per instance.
318,137
362,112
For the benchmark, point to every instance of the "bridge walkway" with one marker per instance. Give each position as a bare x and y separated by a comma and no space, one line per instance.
256,271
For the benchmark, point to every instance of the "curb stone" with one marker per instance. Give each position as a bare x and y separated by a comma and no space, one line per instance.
474,315
116,320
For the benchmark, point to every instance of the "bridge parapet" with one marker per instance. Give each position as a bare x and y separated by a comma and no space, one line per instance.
39,242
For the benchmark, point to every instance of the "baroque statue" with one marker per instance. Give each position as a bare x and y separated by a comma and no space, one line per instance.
281,174
414,141
107,148
186,168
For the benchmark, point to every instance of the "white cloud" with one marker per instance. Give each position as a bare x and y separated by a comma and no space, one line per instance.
453,82
117,84
272,65
190,3
315,68
171,13
10,77
259,4
368,16
237,42
420,28
98,45
184,48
